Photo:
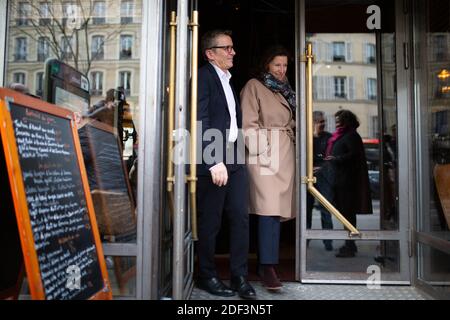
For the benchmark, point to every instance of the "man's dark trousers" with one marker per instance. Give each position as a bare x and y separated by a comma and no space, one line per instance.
212,201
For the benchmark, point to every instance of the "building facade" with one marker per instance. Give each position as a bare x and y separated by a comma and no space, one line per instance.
99,38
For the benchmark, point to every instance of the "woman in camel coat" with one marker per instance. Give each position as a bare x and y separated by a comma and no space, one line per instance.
268,119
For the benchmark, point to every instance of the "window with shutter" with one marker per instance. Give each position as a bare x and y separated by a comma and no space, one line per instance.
348,52
328,48
19,77
339,51
340,87
351,88
370,54
315,88
40,84
372,89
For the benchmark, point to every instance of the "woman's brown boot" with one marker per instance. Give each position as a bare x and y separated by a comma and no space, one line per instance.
269,278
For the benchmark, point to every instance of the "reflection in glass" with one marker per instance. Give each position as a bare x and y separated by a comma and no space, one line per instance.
126,11
96,83
45,14
388,155
432,25
99,12
434,268
19,77
122,275
126,45
346,76
39,84
69,32
23,13
97,47
43,50
21,49
319,259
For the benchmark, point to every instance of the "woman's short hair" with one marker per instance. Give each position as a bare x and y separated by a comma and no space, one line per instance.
347,119
269,54
209,39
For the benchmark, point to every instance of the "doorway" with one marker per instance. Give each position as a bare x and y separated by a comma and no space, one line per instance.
255,25
356,68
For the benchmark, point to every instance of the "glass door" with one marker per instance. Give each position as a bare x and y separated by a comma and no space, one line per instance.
432,96
356,71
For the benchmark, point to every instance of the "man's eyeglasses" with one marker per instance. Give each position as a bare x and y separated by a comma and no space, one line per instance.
228,49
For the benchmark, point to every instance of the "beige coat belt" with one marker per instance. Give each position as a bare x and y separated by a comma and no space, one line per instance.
288,130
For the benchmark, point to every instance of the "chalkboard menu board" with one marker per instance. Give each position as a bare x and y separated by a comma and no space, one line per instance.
108,181
59,236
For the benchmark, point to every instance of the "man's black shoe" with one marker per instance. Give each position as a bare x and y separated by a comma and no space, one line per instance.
243,288
215,286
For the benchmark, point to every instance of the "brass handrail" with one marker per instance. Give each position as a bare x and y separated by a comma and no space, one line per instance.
310,179
192,179
171,111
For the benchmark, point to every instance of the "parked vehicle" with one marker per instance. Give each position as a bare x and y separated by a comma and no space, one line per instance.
371,147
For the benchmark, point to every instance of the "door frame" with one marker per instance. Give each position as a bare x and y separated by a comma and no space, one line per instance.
149,186
405,156
152,182
3,30
183,242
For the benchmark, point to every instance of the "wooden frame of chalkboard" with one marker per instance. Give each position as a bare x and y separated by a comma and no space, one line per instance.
49,283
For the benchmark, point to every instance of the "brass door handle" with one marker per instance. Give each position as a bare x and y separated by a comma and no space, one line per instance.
171,110
310,179
192,179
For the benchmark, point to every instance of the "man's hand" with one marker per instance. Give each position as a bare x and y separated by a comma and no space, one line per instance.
219,174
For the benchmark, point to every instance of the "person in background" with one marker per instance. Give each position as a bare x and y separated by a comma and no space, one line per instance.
19,87
320,141
103,110
350,180
268,113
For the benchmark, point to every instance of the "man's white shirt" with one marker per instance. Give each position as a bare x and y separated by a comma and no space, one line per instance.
225,80
231,103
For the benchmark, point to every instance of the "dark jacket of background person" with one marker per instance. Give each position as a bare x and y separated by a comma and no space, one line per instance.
349,176
319,147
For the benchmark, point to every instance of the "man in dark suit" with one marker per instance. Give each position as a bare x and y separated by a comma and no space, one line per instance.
222,178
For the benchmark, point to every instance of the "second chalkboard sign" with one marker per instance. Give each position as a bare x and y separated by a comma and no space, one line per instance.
59,236
109,183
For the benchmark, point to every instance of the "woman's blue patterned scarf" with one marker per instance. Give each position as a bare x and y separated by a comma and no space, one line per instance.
284,88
